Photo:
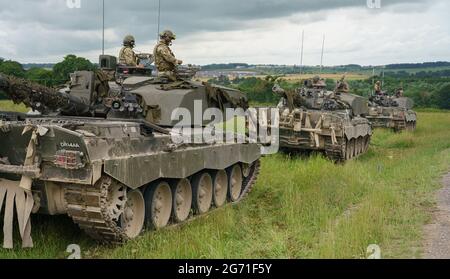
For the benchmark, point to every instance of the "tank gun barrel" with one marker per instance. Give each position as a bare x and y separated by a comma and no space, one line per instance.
41,98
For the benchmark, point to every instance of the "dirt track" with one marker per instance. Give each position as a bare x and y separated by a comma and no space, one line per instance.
437,234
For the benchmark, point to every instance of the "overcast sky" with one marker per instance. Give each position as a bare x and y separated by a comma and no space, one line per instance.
223,31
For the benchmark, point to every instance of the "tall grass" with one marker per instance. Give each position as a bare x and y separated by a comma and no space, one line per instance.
300,208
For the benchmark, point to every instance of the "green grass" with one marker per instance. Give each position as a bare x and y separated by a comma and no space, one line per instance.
300,208
10,106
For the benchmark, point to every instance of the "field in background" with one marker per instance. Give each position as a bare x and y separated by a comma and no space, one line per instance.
349,76
10,106
299,77
301,207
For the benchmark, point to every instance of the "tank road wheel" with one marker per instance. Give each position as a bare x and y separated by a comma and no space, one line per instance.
158,205
202,188
116,201
353,146
220,182
132,219
360,143
357,141
246,169
235,183
348,150
182,200
366,143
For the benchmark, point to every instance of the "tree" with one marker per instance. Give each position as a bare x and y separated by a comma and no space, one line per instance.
42,76
443,97
12,68
70,64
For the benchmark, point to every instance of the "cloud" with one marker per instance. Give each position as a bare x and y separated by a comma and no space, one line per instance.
255,31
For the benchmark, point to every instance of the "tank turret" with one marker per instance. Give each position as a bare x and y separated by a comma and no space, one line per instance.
394,112
313,118
315,96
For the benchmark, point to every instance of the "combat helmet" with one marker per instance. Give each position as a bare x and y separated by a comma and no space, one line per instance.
168,34
318,82
129,41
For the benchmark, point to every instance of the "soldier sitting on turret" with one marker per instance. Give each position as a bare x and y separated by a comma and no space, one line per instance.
318,83
165,60
342,86
399,92
377,88
127,56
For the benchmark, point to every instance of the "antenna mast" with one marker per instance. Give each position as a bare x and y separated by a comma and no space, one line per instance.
321,57
103,30
301,56
159,19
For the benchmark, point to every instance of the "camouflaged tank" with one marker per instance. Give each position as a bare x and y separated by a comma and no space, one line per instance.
103,154
394,112
312,118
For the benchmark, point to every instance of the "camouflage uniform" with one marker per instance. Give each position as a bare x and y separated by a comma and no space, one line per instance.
127,55
342,86
318,83
377,88
165,60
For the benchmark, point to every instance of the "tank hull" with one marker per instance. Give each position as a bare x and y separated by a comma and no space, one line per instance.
90,169
396,118
337,134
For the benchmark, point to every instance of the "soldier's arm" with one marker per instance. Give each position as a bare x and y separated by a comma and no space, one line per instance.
130,58
167,56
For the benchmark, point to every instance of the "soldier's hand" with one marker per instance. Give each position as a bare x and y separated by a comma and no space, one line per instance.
140,66
179,62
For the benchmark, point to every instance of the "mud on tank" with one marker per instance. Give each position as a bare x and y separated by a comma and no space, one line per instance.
392,112
102,153
312,118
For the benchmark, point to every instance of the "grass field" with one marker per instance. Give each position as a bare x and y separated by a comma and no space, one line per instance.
10,106
301,207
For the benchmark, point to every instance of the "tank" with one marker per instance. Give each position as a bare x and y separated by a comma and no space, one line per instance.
104,154
314,119
393,112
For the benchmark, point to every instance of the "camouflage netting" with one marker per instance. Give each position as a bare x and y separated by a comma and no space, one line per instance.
220,96
31,94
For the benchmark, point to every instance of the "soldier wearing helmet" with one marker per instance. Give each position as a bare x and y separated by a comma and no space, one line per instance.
127,56
377,88
318,83
165,60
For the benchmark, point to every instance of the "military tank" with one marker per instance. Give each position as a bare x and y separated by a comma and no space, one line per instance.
393,112
103,153
312,118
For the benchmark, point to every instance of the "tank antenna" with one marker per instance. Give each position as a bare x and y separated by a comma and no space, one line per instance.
103,29
373,80
321,57
159,19
301,56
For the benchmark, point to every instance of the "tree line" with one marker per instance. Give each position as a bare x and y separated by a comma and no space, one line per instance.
58,75
426,92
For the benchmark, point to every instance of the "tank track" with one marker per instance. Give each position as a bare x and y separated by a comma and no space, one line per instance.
338,152
87,206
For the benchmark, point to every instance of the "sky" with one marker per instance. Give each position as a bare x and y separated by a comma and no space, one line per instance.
219,31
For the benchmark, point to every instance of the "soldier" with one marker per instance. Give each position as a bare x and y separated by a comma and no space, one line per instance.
377,88
342,86
399,92
165,60
127,56
318,83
